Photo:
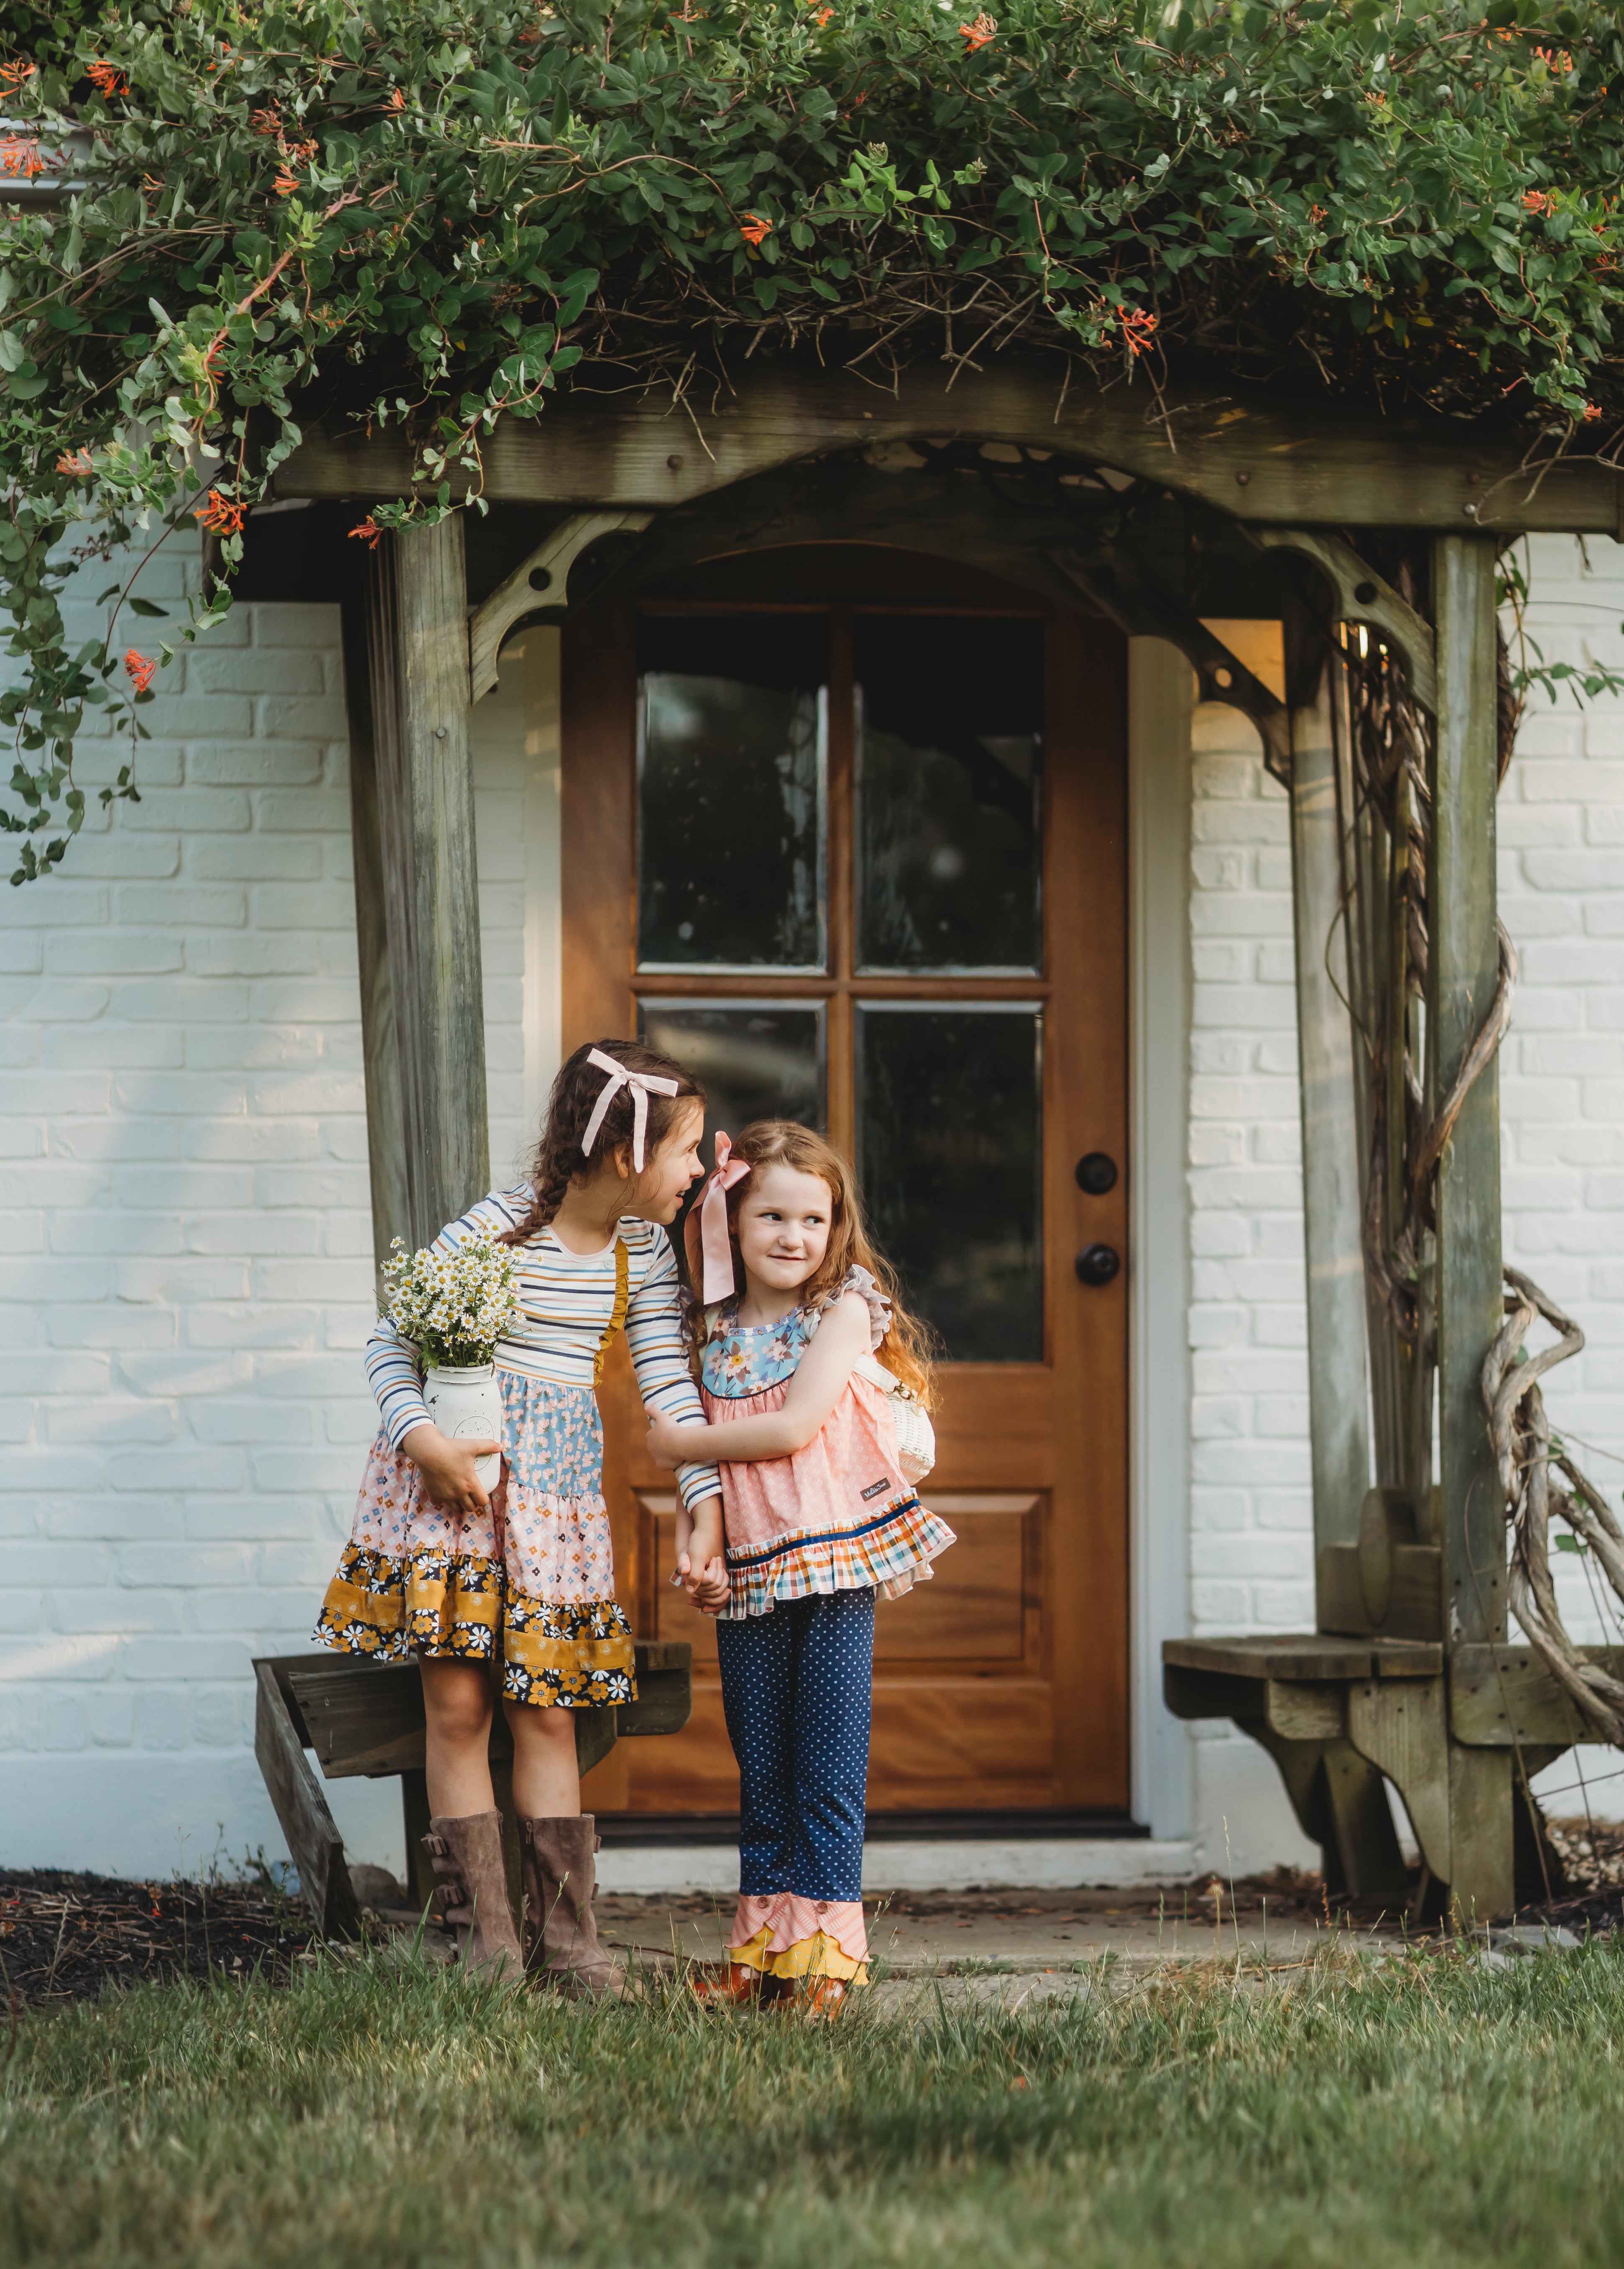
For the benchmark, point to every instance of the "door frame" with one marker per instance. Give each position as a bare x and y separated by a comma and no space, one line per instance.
1088,1651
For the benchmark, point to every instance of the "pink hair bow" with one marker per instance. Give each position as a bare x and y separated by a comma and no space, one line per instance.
707,1230
642,1085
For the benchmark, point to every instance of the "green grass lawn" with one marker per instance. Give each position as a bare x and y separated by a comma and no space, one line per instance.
1428,2111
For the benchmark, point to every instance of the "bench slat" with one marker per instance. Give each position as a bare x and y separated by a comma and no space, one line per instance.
364,1719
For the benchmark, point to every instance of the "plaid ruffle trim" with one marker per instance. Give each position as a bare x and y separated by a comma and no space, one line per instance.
458,1607
903,1535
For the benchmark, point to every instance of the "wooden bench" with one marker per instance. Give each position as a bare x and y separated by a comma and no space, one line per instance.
365,1721
1337,1713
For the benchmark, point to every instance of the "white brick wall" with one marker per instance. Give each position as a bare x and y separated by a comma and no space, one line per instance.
187,1279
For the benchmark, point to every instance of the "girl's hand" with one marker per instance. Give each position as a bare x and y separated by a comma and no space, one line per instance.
666,1443
708,1590
448,1468
700,1566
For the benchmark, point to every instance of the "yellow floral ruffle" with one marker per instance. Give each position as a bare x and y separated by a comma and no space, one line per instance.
816,1956
459,1606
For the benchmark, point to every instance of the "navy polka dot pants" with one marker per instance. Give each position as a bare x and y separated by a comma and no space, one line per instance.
797,1687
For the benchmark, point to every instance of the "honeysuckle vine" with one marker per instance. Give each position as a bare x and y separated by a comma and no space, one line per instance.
424,213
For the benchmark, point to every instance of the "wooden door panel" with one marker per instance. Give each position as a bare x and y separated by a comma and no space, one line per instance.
994,1427
932,1744
974,1608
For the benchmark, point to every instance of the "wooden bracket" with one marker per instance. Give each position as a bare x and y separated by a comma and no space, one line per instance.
539,580
1399,1727
1364,596
1140,610
314,1844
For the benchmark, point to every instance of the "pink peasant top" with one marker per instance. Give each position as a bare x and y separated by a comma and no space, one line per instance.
836,1516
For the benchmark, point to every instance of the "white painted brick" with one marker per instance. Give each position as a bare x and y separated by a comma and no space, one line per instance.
106,1047
188,812
184,1000
257,1047
210,906
257,1140
109,1140
120,952
265,859
233,953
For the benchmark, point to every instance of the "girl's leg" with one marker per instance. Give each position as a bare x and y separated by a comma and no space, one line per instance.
546,1781
457,1702
759,1702
834,1694
557,1849
464,1842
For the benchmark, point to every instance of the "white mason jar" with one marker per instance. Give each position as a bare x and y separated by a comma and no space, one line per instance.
465,1402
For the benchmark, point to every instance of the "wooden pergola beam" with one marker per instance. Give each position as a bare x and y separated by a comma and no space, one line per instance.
416,646
1262,457
1339,1402
1465,974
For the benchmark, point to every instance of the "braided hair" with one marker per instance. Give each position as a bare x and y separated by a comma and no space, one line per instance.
559,1157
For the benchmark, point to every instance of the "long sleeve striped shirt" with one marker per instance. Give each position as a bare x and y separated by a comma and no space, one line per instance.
568,1303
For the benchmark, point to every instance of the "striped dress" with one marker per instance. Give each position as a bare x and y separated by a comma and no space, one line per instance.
530,1583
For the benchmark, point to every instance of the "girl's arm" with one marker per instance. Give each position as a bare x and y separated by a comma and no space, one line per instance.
841,1339
659,1357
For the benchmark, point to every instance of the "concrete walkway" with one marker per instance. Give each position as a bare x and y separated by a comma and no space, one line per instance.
1027,1934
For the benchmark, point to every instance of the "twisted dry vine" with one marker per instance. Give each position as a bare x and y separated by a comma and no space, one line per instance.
1527,1453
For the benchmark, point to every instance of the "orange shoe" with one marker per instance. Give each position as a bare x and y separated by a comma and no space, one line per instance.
824,1999
736,1987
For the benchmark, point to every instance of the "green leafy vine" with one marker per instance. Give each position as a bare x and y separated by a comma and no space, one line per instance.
425,213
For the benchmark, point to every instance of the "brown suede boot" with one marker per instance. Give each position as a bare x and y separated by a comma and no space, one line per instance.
472,1891
560,1935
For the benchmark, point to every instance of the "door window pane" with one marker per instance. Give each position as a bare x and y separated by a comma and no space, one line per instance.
758,1059
732,760
951,1157
950,722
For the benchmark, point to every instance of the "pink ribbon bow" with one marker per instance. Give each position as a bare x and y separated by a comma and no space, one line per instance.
707,1230
642,1083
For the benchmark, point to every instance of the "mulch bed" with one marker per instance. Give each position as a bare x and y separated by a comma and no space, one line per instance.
64,1937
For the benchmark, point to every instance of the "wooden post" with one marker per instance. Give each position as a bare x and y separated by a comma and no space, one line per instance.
386,1141
1465,966
1338,1422
417,637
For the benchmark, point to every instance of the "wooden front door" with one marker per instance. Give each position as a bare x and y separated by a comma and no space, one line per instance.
844,830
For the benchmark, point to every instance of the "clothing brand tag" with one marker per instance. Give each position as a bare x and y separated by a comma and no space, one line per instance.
875,1489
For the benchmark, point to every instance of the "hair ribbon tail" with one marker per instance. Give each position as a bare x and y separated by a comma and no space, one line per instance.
710,1253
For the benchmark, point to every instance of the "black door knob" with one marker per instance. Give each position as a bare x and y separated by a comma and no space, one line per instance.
1097,1264
1097,1173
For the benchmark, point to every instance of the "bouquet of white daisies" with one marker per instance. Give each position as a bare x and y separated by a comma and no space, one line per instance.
454,1307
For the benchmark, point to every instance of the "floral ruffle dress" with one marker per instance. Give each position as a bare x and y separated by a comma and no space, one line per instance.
530,1584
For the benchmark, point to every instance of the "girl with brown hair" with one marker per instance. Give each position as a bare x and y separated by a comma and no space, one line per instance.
801,1338
523,1578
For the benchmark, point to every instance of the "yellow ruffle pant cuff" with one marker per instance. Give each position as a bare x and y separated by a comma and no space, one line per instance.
816,1956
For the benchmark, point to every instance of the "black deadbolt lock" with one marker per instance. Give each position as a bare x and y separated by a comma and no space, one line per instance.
1097,1264
1097,1173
